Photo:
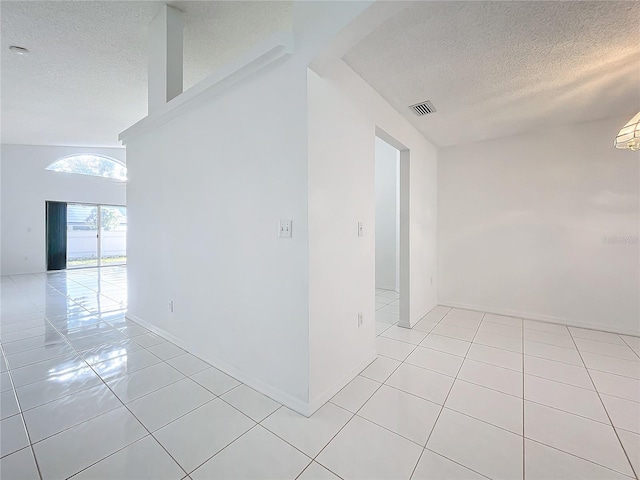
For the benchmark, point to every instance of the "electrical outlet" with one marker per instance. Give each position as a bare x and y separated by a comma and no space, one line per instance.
284,229
171,306
359,320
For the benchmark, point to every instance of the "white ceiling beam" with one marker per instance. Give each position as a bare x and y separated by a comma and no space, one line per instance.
165,57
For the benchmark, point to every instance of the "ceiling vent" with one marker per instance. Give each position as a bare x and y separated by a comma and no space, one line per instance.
423,108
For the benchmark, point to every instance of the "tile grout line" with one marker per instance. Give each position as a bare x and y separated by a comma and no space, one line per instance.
435,424
573,413
161,360
221,450
150,433
120,400
353,415
628,345
511,351
137,419
292,445
458,463
605,409
24,423
385,428
624,344
89,366
15,390
313,459
79,356
581,458
502,428
524,455
216,397
305,469
548,406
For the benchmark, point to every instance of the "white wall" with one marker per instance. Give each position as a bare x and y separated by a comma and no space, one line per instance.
544,226
26,186
205,194
344,113
387,210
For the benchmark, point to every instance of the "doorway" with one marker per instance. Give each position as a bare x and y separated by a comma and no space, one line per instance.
392,231
81,235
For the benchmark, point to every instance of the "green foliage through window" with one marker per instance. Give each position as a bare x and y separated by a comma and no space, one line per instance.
94,165
110,220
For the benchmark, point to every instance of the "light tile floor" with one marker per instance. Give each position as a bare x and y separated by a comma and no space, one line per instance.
88,394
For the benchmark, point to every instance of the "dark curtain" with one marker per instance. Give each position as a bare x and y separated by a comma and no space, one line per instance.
56,235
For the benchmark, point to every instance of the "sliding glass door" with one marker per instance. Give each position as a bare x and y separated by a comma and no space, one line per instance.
82,235
96,235
113,235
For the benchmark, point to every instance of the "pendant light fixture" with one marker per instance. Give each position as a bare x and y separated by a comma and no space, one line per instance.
629,135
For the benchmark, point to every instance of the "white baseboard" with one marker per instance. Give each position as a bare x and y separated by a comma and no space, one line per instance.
276,394
318,402
540,317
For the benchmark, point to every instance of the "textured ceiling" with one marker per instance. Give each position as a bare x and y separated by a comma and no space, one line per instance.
85,79
491,68
500,68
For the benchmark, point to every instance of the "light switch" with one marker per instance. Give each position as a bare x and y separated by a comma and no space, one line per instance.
285,229
361,229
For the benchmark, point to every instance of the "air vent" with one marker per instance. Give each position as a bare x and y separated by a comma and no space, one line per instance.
423,108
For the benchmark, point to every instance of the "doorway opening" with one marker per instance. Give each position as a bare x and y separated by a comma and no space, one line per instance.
392,231
81,235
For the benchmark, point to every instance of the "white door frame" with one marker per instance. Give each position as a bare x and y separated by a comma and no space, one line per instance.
99,236
405,227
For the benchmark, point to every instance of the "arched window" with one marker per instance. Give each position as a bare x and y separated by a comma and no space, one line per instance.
95,165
